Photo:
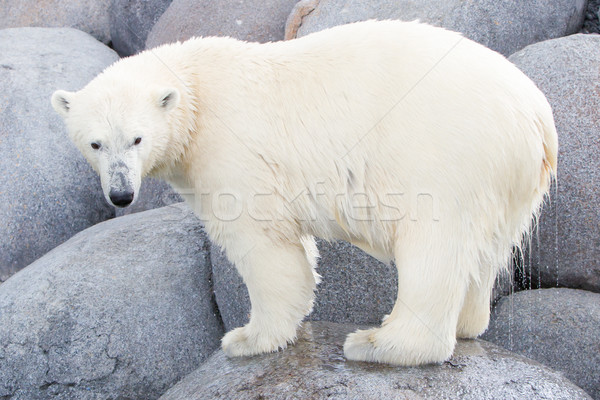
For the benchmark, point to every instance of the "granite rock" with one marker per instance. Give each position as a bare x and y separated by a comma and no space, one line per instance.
251,20
315,368
565,248
48,190
504,26
122,310
90,16
131,21
559,328
591,24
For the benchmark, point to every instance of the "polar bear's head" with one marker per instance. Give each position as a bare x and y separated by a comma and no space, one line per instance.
122,130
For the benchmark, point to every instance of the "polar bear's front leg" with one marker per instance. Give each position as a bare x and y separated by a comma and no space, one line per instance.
281,285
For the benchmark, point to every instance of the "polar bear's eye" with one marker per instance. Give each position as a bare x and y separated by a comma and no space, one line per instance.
95,146
137,141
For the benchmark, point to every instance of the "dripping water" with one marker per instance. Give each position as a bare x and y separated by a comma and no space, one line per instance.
555,204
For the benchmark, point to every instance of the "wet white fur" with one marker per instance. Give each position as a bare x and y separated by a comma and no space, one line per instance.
412,142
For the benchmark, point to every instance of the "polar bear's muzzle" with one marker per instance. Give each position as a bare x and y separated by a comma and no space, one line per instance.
121,198
121,192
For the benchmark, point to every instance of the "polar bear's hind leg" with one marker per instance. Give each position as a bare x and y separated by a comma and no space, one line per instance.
421,328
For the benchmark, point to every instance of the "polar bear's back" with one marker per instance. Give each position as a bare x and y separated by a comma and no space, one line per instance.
389,107
416,86
373,108
424,102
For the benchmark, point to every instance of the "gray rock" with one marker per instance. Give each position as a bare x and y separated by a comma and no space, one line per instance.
131,21
251,20
504,26
231,293
48,190
557,327
591,24
90,16
355,287
154,193
123,310
505,285
315,368
565,251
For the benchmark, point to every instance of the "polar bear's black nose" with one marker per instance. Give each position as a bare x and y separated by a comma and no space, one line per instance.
121,198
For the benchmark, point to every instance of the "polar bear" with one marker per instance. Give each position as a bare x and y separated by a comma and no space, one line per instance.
409,141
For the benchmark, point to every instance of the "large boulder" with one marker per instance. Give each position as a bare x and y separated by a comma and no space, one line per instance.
48,191
252,20
315,368
123,310
90,16
131,21
557,327
504,26
355,288
565,249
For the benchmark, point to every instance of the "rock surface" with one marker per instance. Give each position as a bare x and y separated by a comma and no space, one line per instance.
123,310
131,21
48,190
566,249
251,20
502,26
231,293
558,327
315,368
90,16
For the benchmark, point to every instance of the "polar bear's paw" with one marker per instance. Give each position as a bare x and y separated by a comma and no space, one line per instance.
360,346
243,342
384,345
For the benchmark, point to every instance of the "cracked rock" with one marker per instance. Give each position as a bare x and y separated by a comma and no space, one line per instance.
121,310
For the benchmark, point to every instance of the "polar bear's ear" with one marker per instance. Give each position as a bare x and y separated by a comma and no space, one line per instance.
168,98
61,101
